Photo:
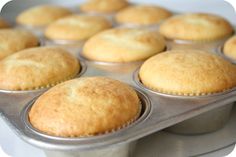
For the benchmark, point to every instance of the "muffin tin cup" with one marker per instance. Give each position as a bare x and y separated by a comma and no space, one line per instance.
150,27
219,51
73,47
36,30
123,150
207,122
109,16
199,45
204,123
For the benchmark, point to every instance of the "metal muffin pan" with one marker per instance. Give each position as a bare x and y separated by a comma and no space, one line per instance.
159,110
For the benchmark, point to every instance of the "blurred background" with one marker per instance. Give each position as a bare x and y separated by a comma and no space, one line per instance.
219,7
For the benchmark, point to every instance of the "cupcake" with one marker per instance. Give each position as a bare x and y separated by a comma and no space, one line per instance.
3,23
103,6
196,27
123,45
85,107
142,15
36,68
188,72
229,48
76,27
13,40
191,73
41,15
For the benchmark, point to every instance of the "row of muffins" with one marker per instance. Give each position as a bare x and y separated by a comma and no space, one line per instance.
128,15
198,25
201,27
156,73
112,45
96,98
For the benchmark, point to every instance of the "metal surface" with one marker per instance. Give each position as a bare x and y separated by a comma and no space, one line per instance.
122,150
204,123
165,110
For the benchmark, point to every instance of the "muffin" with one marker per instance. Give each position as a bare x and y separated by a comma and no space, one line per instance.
76,27
41,15
37,68
142,15
123,45
230,48
13,40
196,27
3,23
103,6
188,72
85,107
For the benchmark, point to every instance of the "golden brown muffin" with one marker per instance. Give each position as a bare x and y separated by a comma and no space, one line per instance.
76,27
42,15
13,40
103,6
36,68
142,15
3,23
230,48
123,45
188,72
85,107
196,27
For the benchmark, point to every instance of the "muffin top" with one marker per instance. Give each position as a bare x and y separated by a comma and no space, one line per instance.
103,6
188,72
142,15
13,40
85,107
123,45
76,27
42,15
230,48
3,23
37,68
196,27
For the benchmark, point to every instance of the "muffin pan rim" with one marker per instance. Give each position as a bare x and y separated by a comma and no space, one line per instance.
189,42
219,50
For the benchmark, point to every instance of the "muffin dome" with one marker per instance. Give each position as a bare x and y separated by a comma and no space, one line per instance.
123,45
196,27
13,40
142,15
230,48
85,107
37,68
76,27
103,6
188,72
41,15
